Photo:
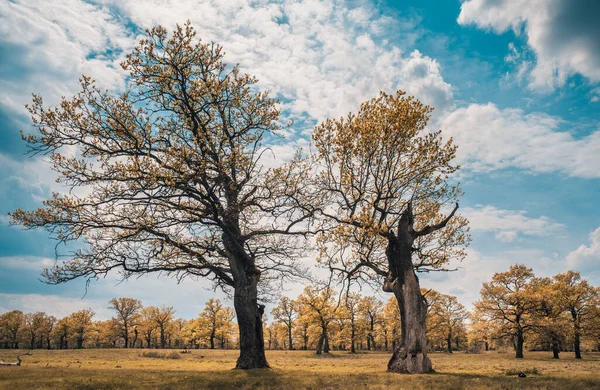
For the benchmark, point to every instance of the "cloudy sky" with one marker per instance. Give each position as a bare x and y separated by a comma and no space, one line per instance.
515,82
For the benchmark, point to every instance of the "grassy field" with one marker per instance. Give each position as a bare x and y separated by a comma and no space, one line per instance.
116,368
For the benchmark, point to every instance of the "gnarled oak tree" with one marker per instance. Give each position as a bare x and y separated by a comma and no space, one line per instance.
387,181
174,176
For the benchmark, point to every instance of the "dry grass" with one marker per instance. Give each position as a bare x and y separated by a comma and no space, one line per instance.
205,369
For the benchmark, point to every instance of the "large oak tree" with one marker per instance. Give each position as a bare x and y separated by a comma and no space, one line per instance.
387,181
174,177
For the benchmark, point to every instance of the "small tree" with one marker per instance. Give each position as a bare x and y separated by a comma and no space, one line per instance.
127,315
579,299
162,317
318,308
386,182
450,315
510,301
80,323
285,312
175,177
369,309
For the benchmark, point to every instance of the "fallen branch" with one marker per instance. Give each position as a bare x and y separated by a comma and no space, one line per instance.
18,363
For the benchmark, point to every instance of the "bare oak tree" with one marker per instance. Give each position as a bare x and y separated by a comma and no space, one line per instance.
387,181
175,178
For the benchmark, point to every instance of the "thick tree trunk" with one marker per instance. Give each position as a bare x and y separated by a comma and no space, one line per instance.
519,345
487,346
290,345
449,341
555,349
411,355
577,344
126,337
212,340
326,344
320,345
249,315
163,341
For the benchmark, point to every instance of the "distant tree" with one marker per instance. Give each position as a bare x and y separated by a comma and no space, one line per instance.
317,307
162,317
391,324
127,314
176,179
80,323
33,329
214,321
147,325
510,301
551,320
285,312
12,323
452,315
369,309
351,304
579,299
386,182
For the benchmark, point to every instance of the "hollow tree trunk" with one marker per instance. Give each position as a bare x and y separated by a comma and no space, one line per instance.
249,315
411,355
519,345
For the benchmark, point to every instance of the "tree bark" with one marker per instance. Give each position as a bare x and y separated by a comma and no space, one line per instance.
290,345
449,341
577,344
555,349
411,355
249,315
326,343
519,345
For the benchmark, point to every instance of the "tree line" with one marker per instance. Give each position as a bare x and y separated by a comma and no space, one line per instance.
515,310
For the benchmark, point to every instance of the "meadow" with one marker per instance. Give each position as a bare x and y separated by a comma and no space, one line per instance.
212,369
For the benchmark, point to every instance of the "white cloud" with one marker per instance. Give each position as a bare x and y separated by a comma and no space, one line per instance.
489,138
563,34
52,43
55,305
26,262
478,267
507,224
586,258
323,58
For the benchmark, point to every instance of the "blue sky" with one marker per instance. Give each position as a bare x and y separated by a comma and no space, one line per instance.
516,83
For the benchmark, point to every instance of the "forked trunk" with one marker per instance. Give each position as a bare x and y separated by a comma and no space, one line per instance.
249,316
411,355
